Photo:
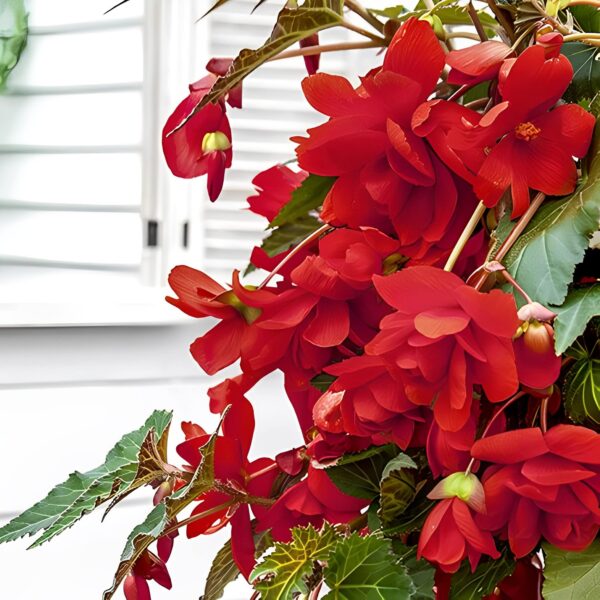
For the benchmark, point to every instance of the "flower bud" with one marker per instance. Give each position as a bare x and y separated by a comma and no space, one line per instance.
214,141
464,486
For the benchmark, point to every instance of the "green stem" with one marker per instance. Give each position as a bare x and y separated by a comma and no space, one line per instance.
363,32
310,50
360,10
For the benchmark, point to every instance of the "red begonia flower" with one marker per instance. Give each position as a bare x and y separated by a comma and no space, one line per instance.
233,469
477,63
148,567
203,145
446,337
274,189
388,178
538,146
542,486
450,534
312,501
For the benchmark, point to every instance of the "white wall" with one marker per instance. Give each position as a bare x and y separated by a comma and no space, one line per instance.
66,395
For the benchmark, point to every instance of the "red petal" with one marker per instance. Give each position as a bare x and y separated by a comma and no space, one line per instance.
481,540
479,58
416,53
331,95
511,446
441,321
536,369
494,312
242,540
554,470
574,443
220,347
239,423
330,326
217,519
136,588
523,528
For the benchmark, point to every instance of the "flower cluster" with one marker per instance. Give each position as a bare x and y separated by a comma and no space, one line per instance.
412,354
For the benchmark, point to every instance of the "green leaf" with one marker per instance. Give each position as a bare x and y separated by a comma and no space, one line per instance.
544,258
421,572
587,17
359,474
322,381
163,514
287,236
571,575
286,570
397,489
581,305
82,492
581,391
224,570
361,568
474,586
413,517
13,36
308,196
293,25
586,67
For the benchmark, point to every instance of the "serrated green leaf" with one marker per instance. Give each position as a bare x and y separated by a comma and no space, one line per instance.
223,569
362,568
287,236
581,305
284,572
571,575
13,36
421,572
402,461
293,25
474,586
544,258
159,518
359,474
305,198
581,391
82,492
586,68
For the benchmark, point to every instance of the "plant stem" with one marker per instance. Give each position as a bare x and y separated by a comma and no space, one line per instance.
510,401
582,36
360,10
310,50
464,236
479,103
544,414
462,34
305,242
361,31
477,22
517,287
517,230
501,18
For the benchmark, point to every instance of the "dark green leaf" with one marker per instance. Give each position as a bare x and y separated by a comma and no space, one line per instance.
307,197
581,305
581,391
287,236
420,571
587,17
544,258
13,36
286,570
224,570
474,586
586,66
413,517
82,492
571,575
163,514
361,568
293,25
397,489
359,474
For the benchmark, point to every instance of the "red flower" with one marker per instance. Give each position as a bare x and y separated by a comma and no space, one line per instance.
203,145
148,567
542,485
311,61
274,189
388,178
446,337
235,474
477,63
314,500
450,535
538,146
